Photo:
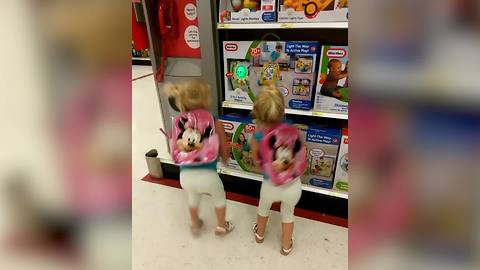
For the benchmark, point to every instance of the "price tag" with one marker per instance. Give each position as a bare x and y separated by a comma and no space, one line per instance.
318,114
286,25
224,171
224,25
227,104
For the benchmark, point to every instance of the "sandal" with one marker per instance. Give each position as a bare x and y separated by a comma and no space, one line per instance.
224,230
259,239
196,230
285,252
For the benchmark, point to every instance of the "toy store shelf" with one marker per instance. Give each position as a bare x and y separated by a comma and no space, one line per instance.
229,104
341,25
258,177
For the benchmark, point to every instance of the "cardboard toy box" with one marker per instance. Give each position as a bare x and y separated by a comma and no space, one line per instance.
312,10
291,65
341,173
322,149
247,11
239,130
332,83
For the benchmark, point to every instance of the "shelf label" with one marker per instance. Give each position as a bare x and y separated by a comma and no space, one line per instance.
318,114
286,25
224,25
227,104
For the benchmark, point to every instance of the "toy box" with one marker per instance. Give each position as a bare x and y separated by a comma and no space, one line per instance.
341,173
239,130
312,10
246,11
332,84
322,149
291,65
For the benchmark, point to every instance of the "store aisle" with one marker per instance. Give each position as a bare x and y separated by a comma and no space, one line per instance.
161,236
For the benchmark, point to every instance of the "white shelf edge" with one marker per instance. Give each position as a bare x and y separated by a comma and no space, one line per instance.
228,104
284,25
257,177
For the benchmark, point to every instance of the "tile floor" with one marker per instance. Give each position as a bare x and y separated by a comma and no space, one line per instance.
161,238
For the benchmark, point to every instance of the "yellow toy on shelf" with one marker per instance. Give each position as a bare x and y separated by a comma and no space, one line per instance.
313,11
251,4
295,4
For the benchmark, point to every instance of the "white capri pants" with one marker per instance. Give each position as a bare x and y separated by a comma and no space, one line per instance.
288,194
198,181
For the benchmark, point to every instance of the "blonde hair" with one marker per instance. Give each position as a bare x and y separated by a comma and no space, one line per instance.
190,95
269,106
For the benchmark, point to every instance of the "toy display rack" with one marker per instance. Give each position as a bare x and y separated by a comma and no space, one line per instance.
248,107
276,25
258,177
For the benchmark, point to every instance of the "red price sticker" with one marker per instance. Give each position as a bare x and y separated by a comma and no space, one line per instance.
255,51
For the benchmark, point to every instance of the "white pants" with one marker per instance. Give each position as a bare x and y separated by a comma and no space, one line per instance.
199,181
288,194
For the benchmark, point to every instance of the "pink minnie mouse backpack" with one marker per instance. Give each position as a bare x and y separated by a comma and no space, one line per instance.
284,156
193,139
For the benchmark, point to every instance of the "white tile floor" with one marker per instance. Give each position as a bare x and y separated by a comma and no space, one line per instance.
161,238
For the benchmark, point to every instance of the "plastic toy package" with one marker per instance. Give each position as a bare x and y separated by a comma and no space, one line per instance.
322,149
312,10
290,65
247,11
341,173
333,84
239,130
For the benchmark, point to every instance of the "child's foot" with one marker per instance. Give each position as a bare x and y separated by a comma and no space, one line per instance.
224,230
286,251
196,229
258,238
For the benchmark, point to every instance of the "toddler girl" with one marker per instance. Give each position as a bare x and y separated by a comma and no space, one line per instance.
200,178
269,111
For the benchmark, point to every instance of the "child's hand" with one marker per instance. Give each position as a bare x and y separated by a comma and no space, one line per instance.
225,154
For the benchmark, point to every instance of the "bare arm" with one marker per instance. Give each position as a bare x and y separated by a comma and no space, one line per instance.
255,150
341,75
224,149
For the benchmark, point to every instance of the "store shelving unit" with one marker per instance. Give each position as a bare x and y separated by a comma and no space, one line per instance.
325,32
241,106
257,177
209,68
325,25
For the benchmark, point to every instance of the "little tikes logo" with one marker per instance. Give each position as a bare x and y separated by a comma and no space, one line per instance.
231,47
227,126
336,53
